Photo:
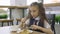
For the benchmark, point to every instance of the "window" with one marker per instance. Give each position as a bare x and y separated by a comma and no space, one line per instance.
30,1
4,2
44,1
4,12
51,1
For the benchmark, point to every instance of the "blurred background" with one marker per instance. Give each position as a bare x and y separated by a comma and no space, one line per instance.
16,9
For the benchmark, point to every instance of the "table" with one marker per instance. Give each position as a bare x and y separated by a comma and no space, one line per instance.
7,30
6,21
18,20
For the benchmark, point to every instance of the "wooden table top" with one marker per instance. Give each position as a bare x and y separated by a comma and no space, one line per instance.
6,20
18,19
8,30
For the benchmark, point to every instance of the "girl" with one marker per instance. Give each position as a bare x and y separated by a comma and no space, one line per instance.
37,19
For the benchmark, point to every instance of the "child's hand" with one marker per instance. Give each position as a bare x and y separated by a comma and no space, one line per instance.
35,27
23,20
22,24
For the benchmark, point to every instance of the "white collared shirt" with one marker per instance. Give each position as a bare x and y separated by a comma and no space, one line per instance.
46,25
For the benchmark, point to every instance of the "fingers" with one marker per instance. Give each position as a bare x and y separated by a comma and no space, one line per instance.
23,20
33,27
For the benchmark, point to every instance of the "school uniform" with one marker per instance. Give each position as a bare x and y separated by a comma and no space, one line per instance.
38,23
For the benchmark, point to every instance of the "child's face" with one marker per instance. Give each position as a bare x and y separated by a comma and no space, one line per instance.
34,11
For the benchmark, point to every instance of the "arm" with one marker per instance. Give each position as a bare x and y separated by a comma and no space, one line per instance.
47,30
24,21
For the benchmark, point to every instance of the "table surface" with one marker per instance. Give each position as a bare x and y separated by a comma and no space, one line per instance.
8,30
6,20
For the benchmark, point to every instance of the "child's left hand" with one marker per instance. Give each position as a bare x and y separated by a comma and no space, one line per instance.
35,27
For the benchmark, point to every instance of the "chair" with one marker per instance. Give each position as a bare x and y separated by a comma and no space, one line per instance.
6,21
51,20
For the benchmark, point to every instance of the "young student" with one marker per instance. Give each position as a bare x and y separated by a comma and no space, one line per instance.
37,19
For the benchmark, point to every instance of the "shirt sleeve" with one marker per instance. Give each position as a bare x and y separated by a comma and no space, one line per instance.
46,25
27,21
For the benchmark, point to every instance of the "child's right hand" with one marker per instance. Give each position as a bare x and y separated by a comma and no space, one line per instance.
22,24
23,20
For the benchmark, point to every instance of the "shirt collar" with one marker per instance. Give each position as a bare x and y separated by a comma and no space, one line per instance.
37,18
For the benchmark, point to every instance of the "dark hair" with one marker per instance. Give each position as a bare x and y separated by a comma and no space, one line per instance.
41,11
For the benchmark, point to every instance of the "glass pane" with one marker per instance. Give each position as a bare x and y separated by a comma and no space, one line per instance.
51,1
4,13
44,1
4,2
30,1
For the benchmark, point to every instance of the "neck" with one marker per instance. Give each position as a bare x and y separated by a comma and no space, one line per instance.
35,17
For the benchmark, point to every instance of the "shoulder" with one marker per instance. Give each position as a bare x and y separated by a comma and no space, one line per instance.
46,24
